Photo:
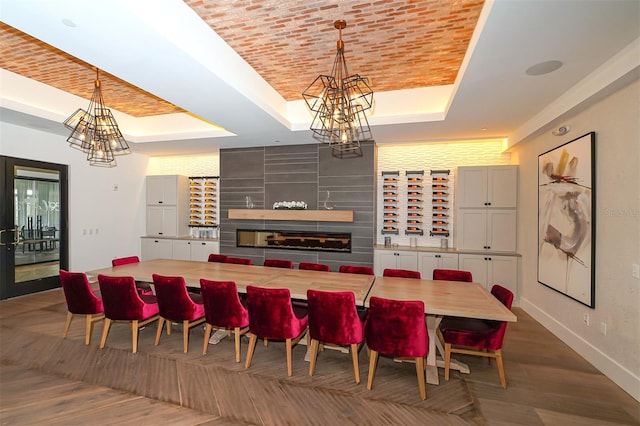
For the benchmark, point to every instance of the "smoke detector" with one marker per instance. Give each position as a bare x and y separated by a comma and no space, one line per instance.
561,131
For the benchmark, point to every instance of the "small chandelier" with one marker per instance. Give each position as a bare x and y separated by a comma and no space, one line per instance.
95,131
339,101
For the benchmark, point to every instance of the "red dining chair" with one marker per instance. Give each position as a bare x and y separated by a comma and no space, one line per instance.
314,266
476,337
333,319
401,273
220,258
356,269
81,300
452,275
273,317
397,328
122,302
223,310
239,260
142,286
278,263
176,304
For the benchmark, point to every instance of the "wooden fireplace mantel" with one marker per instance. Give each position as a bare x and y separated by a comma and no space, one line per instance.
303,215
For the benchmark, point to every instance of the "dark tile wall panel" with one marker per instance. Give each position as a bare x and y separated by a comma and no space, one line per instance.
308,173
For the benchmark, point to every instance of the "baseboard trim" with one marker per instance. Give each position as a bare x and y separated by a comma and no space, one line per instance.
620,375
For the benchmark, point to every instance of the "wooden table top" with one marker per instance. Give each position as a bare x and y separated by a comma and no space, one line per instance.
451,298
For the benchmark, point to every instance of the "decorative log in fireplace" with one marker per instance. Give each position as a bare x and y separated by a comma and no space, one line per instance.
294,240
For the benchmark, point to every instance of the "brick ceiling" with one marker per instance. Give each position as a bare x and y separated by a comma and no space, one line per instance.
396,44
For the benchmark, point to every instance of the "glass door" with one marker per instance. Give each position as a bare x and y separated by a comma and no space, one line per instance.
33,225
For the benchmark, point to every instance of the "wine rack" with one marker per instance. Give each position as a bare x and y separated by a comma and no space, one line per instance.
415,200
440,210
390,202
203,201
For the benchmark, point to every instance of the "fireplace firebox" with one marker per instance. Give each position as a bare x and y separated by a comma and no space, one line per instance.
294,240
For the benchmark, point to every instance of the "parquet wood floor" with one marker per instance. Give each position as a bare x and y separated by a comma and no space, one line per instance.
45,379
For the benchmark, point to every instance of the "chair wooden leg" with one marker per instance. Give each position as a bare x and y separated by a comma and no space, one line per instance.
503,378
67,324
354,357
134,335
185,335
168,327
207,336
289,350
159,331
447,360
373,362
266,342
421,377
105,331
88,329
236,332
314,356
252,346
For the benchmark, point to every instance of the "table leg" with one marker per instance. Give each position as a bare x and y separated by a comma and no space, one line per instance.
432,368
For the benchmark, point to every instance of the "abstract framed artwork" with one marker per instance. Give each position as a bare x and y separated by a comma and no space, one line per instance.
566,219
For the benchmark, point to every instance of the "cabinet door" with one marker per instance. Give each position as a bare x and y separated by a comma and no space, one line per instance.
182,250
156,249
472,229
200,250
427,262
503,270
477,264
448,261
384,259
162,190
502,186
501,230
472,186
170,221
155,221
407,260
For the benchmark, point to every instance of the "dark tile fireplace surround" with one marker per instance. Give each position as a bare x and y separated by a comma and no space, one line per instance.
306,173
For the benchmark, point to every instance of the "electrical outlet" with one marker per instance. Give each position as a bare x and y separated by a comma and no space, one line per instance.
635,270
603,328
586,321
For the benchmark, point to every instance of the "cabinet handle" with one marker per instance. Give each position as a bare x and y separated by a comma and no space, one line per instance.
488,204
159,233
204,244
156,241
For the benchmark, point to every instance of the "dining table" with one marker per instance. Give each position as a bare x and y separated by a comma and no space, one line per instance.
442,298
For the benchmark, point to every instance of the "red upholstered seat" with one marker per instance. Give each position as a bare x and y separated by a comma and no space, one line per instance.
143,287
81,300
357,269
452,275
272,317
122,302
221,258
477,337
333,319
314,266
401,273
278,263
176,304
239,260
397,328
223,310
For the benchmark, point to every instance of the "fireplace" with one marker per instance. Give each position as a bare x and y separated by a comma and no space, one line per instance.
294,240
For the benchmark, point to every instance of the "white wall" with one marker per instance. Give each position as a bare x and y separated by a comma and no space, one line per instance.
118,216
615,119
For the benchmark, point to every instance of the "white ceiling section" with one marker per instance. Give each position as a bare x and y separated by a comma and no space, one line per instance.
164,48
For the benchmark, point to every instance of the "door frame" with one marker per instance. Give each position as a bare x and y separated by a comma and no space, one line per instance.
8,287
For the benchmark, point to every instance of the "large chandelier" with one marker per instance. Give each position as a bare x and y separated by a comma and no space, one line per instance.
339,101
96,132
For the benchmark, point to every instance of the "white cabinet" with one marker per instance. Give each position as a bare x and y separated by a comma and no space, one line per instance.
428,261
156,249
181,249
487,186
394,259
194,250
487,229
167,206
491,269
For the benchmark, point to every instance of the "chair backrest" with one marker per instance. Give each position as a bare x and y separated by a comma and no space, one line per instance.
125,260
314,266
333,317
173,298
397,327
222,306
357,269
452,275
214,257
271,313
120,298
239,260
78,293
278,263
401,273
496,337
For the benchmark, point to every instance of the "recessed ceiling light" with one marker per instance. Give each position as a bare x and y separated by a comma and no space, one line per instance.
69,23
543,68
